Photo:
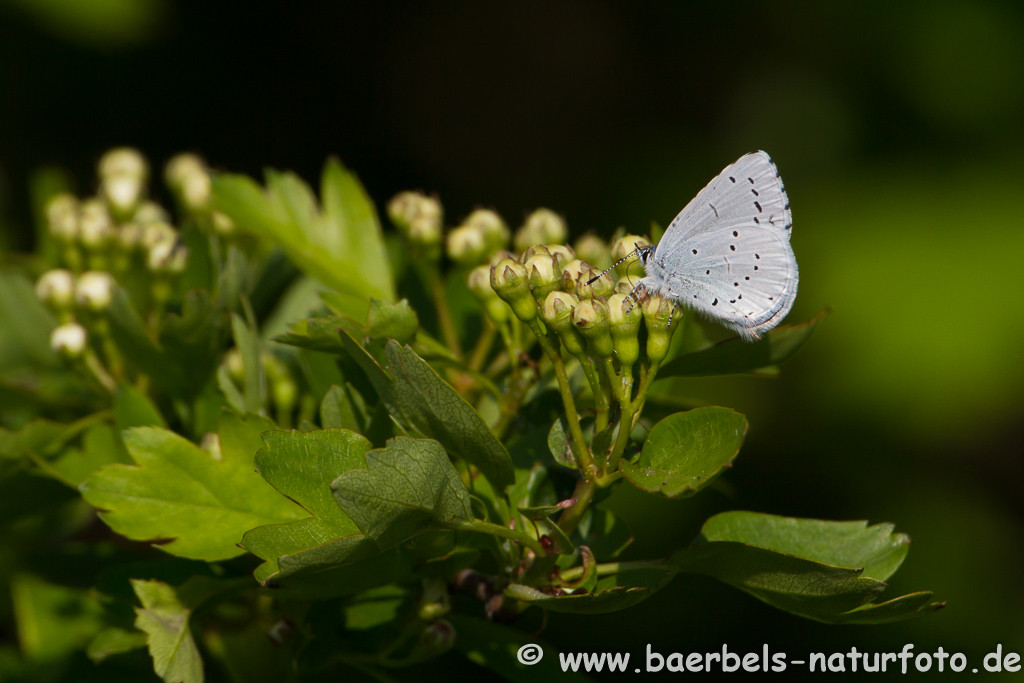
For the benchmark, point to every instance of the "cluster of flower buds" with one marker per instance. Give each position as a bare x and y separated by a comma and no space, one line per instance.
589,310
421,220
120,235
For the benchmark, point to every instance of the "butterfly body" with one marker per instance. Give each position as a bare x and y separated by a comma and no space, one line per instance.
727,254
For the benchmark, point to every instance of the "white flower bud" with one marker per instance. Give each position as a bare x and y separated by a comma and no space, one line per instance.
95,228
167,257
69,340
94,291
188,176
62,217
122,193
151,212
222,224
56,289
123,161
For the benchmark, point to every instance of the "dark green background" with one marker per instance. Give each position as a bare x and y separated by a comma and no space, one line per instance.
896,126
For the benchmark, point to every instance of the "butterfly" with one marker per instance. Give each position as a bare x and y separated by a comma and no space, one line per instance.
727,254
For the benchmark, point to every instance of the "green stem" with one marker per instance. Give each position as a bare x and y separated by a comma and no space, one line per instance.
503,532
483,346
586,460
601,404
570,519
617,568
645,385
626,406
432,275
96,369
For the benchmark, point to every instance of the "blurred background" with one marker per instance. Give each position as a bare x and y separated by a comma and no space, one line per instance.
896,127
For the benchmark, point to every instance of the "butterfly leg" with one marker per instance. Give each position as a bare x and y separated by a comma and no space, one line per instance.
633,295
675,305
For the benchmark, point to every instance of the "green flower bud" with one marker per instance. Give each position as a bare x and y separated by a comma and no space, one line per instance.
94,291
544,275
625,318
62,213
467,245
543,226
571,272
129,236
657,313
626,284
557,315
167,257
603,286
624,247
157,232
403,207
535,250
562,253
436,638
509,280
189,179
594,250
235,366
150,212
419,218
95,229
123,161
479,283
222,224
591,319
490,224
501,255
56,289
69,340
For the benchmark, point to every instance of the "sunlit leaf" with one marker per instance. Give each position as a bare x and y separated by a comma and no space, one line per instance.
686,451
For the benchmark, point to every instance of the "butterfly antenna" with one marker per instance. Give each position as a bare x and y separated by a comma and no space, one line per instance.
635,252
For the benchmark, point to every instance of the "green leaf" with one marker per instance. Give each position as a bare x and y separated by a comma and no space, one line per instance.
343,408
190,342
876,549
43,437
827,571
734,355
613,593
114,641
560,445
164,618
247,340
25,322
302,467
422,402
320,334
179,491
686,451
393,321
340,244
132,408
408,487
101,446
53,621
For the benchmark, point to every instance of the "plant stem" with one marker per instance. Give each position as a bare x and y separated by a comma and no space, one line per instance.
645,385
570,519
483,346
617,568
586,460
432,275
504,532
95,367
601,404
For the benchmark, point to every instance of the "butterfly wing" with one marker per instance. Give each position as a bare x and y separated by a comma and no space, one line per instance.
727,254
